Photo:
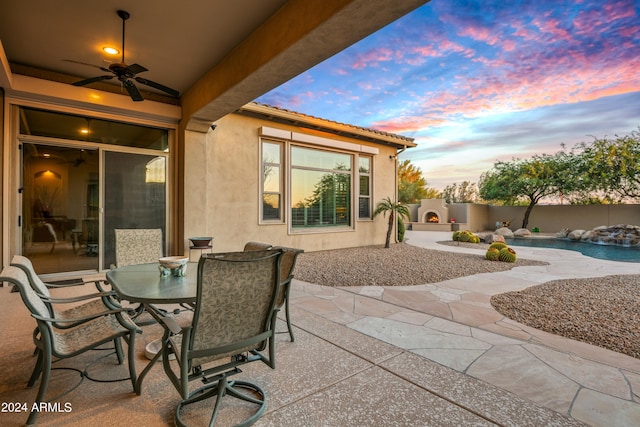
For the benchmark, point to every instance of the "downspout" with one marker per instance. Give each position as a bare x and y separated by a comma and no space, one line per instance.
395,226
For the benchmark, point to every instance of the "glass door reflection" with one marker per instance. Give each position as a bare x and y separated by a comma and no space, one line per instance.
60,207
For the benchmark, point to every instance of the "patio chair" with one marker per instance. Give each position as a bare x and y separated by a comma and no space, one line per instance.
287,266
94,302
90,332
233,319
137,246
257,246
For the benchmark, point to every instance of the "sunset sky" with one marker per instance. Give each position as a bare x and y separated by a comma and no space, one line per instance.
478,81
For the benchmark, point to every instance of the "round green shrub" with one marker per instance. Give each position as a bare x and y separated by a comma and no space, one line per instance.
401,230
492,254
465,236
498,245
475,239
455,236
507,255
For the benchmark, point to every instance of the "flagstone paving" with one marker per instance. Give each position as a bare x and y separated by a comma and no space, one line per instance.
452,323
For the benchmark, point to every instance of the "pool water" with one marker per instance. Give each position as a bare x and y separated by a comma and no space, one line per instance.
608,252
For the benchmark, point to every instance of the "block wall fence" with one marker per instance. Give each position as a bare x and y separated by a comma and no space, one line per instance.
548,218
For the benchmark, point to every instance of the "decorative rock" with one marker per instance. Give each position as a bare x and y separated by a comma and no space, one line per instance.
505,232
588,235
522,232
620,235
490,238
563,233
576,234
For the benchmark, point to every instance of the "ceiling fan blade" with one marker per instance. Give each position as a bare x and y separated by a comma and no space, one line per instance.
158,86
133,91
92,80
136,68
106,70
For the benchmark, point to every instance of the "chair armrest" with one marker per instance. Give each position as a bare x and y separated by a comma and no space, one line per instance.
76,319
125,321
55,300
172,325
99,280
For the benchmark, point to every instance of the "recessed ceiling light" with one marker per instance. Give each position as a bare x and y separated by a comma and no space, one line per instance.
111,50
85,131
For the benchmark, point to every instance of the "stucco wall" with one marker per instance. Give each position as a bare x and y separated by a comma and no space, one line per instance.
548,218
222,178
554,218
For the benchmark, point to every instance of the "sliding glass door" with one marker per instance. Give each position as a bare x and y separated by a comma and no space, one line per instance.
134,196
65,226
60,207
80,179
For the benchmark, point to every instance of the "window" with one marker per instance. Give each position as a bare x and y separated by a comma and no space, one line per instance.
271,181
320,188
364,200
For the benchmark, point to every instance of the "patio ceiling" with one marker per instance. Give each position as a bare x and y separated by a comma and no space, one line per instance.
218,54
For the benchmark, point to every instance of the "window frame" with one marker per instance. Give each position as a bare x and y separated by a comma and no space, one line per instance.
281,193
369,196
351,174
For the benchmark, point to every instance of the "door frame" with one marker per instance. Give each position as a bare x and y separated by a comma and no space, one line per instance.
12,166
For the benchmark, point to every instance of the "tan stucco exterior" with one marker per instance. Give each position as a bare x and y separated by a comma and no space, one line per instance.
222,173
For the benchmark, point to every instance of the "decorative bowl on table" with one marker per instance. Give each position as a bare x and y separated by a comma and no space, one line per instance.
174,265
200,242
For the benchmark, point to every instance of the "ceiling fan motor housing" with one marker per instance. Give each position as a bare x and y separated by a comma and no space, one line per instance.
126,73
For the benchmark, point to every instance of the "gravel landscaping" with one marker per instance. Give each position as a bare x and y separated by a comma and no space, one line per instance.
399,265
601,311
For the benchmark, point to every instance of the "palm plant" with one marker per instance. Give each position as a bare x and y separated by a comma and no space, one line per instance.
386,205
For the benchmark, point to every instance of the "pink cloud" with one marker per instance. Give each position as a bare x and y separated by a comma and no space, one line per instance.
372,57
480,34
407,124
552,27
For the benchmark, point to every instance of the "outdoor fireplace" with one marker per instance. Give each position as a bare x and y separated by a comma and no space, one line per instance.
433,215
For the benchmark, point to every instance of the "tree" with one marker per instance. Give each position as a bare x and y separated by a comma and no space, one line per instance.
386,205
467,192
531,180
412,187
612,166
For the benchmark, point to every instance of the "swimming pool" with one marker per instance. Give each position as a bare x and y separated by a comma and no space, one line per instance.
608,252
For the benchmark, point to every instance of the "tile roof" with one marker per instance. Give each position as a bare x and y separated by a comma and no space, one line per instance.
311,122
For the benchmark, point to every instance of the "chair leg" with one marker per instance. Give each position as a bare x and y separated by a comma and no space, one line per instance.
223,388
132,361
44,384
286,312
36,369
117,343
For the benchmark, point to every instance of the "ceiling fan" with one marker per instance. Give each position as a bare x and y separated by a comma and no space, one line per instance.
125,73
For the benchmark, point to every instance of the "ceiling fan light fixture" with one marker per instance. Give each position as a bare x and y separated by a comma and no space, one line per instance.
111,50
126,74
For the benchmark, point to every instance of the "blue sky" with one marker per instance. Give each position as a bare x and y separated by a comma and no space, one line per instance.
477,81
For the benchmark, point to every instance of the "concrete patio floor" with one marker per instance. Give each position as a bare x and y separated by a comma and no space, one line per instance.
453,324
430,355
